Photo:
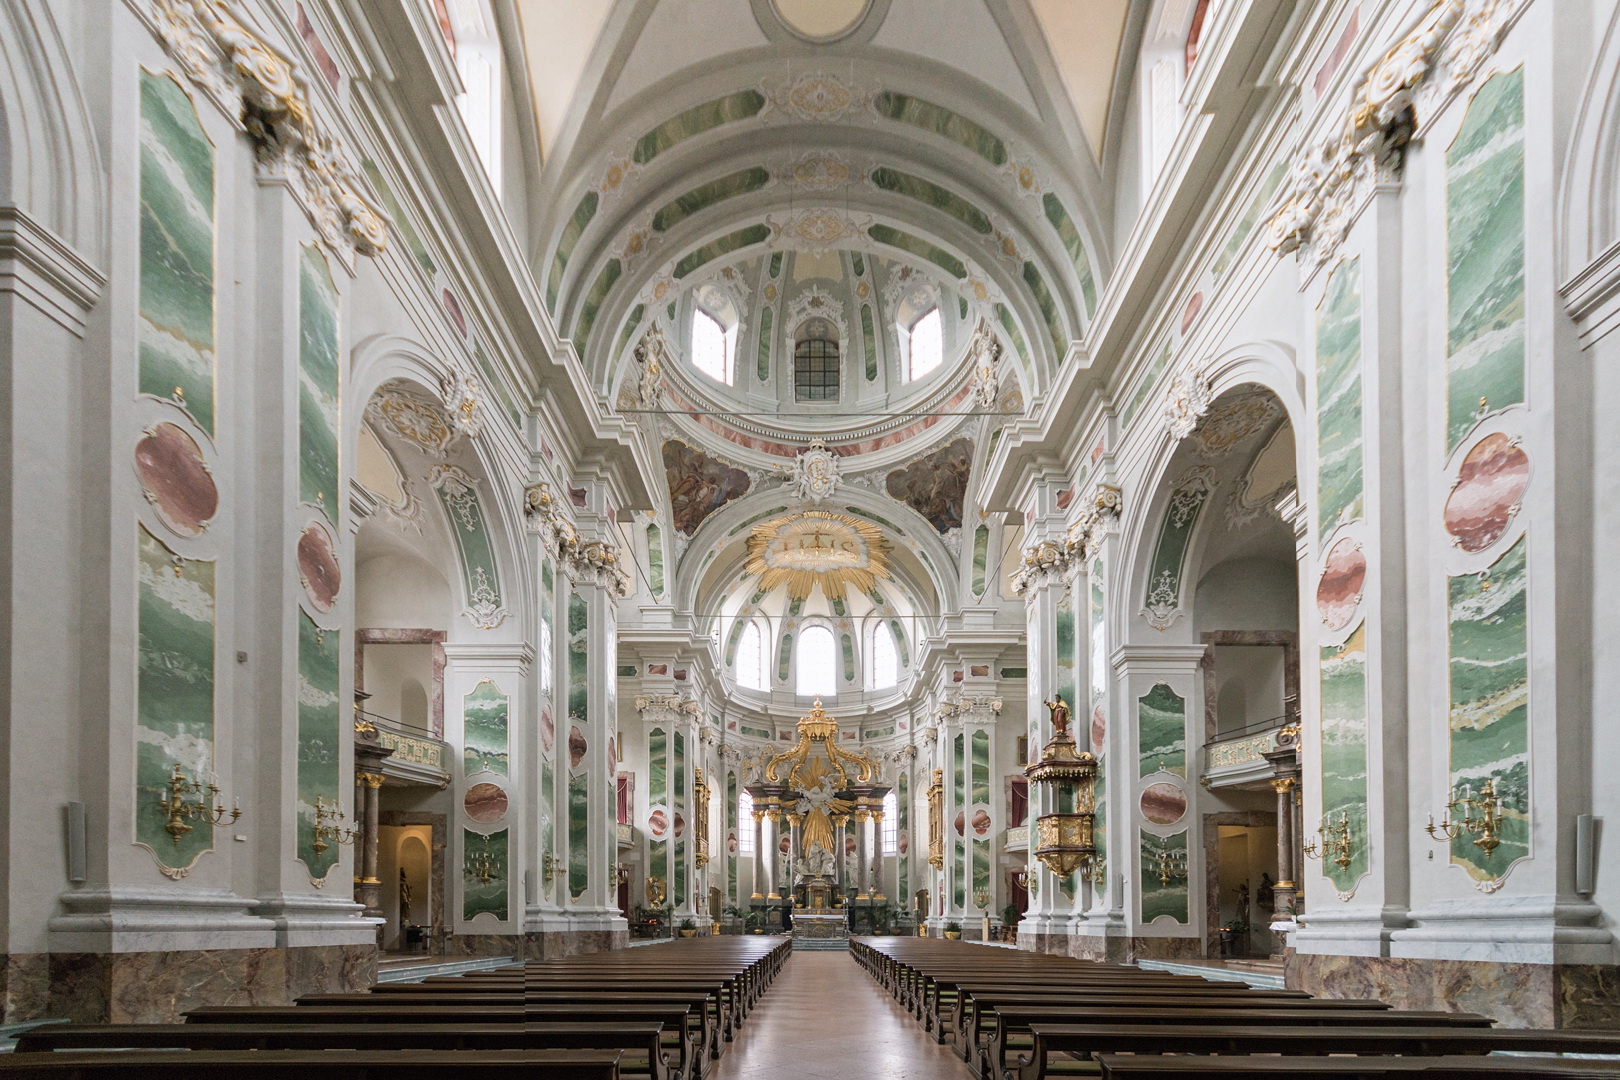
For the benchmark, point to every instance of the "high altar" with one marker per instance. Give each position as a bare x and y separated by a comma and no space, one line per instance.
818,789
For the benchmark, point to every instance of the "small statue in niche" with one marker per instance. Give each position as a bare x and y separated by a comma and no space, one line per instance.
404,899
1266,894
1060,715
1242,919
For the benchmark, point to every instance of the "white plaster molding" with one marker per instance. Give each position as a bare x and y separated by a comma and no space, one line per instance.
1186,400
40,268
668,708
815,303
1592,297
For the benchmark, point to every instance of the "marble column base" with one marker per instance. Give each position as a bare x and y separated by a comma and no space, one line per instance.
556,944
157,987
1515,994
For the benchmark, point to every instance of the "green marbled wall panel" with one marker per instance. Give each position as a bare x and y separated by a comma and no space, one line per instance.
174,691
931,194
485,735
177,338
1065,671
981,557
581,217
1344,750
869,340
958,843
784,657
479,897
1338,399
941,121
732,641
591,306
655,560
900,642
763,366
959,760
697,120
1075,246
401,222
579,686
320,735
981,767
1159,897
1097,718
682,811
499,384
713,193
657,767
1170,552
579,824
548,625
1490,702
732,834
1149,381
878,732
1161,725
1485,226
725,245
846,645
318,378
959,878
1049,309
981,865
916,245
758,733
470,532
632,323
1009,324
1251,217
903,804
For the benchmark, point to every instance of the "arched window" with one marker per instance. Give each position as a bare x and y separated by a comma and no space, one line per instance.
751,658
745,824
885,658
711,347
478,61
927,345
891,824
815,362
817,663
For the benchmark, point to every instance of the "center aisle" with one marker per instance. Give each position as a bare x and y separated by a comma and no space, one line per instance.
825,1019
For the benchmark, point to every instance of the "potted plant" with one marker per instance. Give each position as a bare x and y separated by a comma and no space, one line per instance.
688,928
754,920
1009,922
953,930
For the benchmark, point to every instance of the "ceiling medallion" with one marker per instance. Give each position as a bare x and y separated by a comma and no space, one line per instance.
817,547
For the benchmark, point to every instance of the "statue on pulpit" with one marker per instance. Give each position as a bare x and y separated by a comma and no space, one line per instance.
1060,715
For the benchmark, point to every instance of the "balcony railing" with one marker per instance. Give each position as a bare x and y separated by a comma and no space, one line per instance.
1017,839
1239,757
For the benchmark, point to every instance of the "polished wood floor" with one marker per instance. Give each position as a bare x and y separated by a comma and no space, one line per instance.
825,1019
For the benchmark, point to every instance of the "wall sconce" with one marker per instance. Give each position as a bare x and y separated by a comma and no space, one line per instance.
981,898
1481,817
655,891
551,867
179,810
1064,840
1335,842
327,831
1170,863
481,866
1097,872
621,873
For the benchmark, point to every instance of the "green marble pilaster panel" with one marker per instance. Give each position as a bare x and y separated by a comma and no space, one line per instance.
655,560
900,642
579,824
763,365
1490,703
581,217
684,811
318,379
579,693
981,557
903,808
174,692
320,734
784,657
1065,672
732,832
1485,241
1338,399
1170,552
981,767
1160,897
869,340
981,865
485,738
177,337
1075,246
479,897
657,767
465,513
1161,724
1344,751
959,873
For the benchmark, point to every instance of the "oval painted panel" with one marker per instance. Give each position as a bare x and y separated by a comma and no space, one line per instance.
318,567
1338,593
485,802
576,746
784,845
680,826
904,842
1489,485
657,823
961,823
981,821
1163,804
1099,730
731,842
548,730
175,479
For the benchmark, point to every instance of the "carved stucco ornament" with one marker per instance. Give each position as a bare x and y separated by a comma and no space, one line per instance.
651,353
413,419
1186,401
267,96
667,708
1390,108
464,402
815,473
985,349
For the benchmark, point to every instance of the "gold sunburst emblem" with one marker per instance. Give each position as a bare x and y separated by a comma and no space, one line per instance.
817,546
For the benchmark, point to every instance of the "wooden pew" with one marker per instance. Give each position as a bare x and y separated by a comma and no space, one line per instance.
315,1065
1085,1040
1154,1067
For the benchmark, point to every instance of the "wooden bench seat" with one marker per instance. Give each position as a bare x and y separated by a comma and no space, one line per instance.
1449,1067
314,1065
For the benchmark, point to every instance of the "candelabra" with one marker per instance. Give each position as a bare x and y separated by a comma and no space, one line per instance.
179,810
1097,871
1335,842
327,831
1171,863
551,867
481,866
1481,818
981,898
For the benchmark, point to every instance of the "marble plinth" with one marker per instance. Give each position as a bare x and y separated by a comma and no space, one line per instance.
817,930
1516,995
556,944
158,987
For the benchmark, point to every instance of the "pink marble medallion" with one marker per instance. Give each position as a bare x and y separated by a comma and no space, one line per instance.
175,479
318,567
1190,314
1099,730
904,842
658,823
1489,485
731,842
453,307
785,845
485,802
548,730
1163,804
961,823
680,825
576,746
1338,593
981,821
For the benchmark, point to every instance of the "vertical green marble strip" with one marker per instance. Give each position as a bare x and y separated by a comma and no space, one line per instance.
579,830
571,233
477,896
485,745
318,377
776,264
959,878
1161,724
766,318
465,514
981,557
900,642
579,686
869,337
1490,702
784,656
961,308
391,203
591,307
1049,310
548,622
174,691
732,639
1159,898
176,330
320,734
902,800
840,609
981,767
1485,225
732,796
1170,553
846,645
1065,646
1251,217
682,808
1344,750
657,767
1098,670
1009,324
981,865
1338,399
655,560
959,771
1075,246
